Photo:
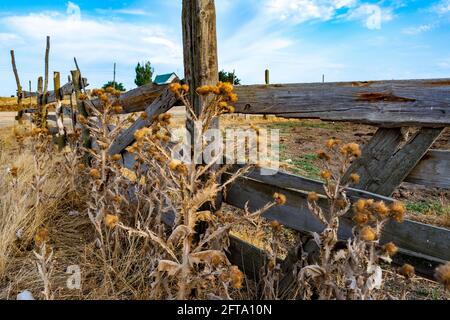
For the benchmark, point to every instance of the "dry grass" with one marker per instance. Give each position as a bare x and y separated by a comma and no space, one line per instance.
35,196
8,104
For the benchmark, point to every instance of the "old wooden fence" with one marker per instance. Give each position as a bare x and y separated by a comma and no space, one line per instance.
388,159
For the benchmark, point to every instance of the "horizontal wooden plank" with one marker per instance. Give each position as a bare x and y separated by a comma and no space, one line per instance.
433,170
65,91
381,103
137,100
247,257
289,181
420,238
28,94
67,110
161,105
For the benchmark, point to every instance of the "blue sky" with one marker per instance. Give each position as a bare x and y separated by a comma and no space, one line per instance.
298,40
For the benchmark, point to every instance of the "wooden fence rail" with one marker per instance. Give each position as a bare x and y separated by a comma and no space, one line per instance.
423,103
381,103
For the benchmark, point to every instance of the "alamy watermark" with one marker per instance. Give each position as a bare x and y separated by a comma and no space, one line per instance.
259,147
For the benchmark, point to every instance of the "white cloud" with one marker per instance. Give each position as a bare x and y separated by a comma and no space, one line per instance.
442,7
418,29
73,11
371,14
264,43
444,64
298,11
9,37
125,11
95,42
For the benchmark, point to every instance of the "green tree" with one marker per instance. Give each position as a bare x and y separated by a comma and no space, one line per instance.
144,73
118,86
229,77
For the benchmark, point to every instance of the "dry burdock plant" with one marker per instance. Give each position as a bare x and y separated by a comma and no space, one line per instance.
354,271
193,263
157,235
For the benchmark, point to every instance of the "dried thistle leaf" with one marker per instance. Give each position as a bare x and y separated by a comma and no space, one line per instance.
179,234
172,268
211,257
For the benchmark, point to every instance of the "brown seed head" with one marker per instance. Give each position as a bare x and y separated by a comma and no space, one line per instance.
175,87
111,221
360,205
361,218
313,197
233,97
368,234
174,164
324,156
41,237
351,150
225,87
276,226
398,211
443,275
14,171
280,199
390,249
381,209
237,277
355,178
144,115
204,90
407,271
82,119
332,143
95,174
326,175
117,109
116,157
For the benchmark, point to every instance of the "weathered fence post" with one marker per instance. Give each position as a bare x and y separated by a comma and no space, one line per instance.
267,80
200,48
72,108
29,88
61,136
77,86
19,87
388,159
44,110
200,56
40,100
